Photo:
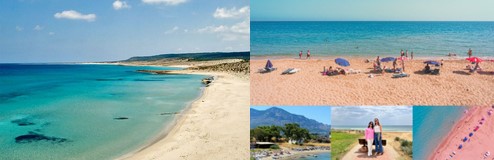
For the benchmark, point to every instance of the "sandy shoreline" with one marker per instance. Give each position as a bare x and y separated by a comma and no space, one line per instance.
454,85
477,145
217,118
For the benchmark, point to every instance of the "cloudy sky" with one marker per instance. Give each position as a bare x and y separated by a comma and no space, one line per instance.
373,10
99,30
362,115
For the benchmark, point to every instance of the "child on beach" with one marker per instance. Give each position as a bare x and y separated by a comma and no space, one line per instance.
369,137
308,54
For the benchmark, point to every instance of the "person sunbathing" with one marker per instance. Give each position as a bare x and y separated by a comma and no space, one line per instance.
427,69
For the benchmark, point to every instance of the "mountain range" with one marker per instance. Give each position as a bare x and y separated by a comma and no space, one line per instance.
279,117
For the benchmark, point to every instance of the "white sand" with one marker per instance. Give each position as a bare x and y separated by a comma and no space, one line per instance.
216,126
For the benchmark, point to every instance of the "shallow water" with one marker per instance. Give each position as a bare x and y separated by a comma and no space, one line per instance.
55,111
430,126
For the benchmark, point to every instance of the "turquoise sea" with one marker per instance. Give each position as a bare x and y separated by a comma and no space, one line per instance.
70,111
340,38
430,125
389,128
319,156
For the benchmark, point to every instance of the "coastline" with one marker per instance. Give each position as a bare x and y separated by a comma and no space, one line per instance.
476,145
180,139
453,86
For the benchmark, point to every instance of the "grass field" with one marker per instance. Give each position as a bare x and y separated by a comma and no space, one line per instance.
341,142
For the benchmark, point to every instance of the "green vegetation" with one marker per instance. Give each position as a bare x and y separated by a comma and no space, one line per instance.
275,147
342,143
194,56
405,146
279,134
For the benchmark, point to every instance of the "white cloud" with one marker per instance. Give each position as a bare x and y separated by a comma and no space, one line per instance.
74,15
18,29
38,28
174,29
237,31
232,13
166,2
117,5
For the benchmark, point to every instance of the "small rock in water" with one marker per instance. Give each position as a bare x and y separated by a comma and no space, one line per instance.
22,122
168,113
121,118
34,137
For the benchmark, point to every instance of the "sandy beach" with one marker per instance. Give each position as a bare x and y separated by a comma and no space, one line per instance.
477,145
214,127
390,151
454,86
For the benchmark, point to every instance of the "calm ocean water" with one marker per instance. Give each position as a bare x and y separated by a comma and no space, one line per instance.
430,126
320,156
425,39
56,111
389,128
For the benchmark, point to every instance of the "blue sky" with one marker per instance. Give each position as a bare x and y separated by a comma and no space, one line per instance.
372,10
319,113
362,115
99,30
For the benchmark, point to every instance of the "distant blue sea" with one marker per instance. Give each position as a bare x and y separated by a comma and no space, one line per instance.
389,128
425,39
430,126
63,111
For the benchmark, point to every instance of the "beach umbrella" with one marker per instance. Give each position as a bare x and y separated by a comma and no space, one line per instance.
476,128
461,146
465,139
432,62
474,59
388,59
342,62
471,134
269,64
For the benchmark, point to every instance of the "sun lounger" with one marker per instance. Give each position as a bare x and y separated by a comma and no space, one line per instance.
290,71
400,75
266,70
435,72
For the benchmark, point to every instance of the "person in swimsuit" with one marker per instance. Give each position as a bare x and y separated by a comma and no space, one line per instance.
300,55
469,53
308,54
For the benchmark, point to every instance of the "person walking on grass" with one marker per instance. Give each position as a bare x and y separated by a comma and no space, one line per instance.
369,137
378,137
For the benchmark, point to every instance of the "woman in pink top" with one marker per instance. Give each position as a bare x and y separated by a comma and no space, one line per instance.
369,137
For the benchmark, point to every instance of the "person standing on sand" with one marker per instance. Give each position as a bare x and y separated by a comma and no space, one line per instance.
300,55
411,55
308,54
469,52
406,54
403,65
402,53
369,137
378,137
394,64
